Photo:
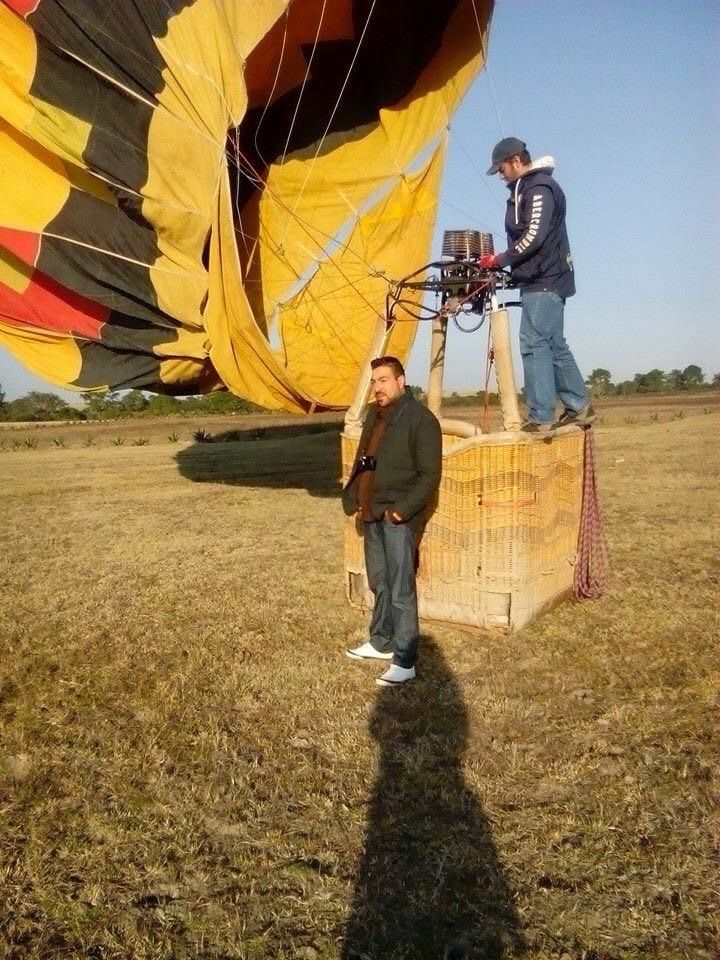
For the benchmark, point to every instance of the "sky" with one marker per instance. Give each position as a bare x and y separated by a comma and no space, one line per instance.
624,96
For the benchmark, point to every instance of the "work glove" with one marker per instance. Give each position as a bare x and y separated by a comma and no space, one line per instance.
488,261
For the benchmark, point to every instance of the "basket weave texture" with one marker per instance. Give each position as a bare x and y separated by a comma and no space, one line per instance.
500,542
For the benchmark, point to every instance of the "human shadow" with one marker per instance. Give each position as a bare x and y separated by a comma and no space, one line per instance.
299,457
430,882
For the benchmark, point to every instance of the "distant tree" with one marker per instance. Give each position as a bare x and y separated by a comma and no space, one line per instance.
223,402
102,406
692,377
38,406
715,380
219,402
651,382
674,380
160,405
418,393
600,382
626,387
2,399
133,402
456,399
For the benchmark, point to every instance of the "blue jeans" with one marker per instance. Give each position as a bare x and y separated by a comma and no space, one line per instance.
549,366
390,565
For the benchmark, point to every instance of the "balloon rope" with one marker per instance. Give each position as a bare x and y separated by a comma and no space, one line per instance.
305,80
274,86
481,175
332,115
256,182
487,69
301,224
490,357
469,216
453,134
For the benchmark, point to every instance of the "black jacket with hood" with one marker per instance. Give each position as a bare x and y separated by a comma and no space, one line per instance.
538,251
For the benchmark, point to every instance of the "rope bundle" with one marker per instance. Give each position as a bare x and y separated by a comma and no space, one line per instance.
592,568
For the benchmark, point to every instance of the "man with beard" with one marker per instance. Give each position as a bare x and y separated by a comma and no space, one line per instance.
540,263
395,476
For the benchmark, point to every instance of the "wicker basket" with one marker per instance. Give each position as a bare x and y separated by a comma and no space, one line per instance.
500,542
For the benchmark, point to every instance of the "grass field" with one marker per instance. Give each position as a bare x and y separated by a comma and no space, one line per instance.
191,769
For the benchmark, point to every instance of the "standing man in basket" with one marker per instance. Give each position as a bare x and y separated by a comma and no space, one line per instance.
395,476
541,265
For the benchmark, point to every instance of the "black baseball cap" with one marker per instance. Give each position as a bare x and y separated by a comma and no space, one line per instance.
506,148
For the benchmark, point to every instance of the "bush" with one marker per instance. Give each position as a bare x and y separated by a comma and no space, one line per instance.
134,402
101,406
37,406
219,402
472,399
163,406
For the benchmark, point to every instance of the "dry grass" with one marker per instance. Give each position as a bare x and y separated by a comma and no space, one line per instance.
190,768
158,429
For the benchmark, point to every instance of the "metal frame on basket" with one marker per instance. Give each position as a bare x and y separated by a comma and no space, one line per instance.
461,288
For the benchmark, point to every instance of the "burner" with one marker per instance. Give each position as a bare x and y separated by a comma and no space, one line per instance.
466,244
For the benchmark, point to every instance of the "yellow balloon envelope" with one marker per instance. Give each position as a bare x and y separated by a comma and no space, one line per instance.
215,194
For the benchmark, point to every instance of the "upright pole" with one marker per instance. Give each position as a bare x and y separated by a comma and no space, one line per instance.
504,371
437,364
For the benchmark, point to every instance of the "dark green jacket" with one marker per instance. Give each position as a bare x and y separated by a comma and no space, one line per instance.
409,462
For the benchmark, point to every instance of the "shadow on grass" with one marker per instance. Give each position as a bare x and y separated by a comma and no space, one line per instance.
430,884
305,456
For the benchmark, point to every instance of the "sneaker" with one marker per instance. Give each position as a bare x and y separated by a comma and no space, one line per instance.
570,417
541,428
396,676
368,652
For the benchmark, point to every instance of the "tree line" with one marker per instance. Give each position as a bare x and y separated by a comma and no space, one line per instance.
112,405
36,406
654,381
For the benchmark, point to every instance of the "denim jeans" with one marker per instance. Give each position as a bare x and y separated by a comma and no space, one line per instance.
390,566
549,366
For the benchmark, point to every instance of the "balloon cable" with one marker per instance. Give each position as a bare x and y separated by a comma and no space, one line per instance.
483,47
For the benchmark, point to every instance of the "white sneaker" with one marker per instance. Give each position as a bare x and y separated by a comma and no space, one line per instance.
368,652
395,676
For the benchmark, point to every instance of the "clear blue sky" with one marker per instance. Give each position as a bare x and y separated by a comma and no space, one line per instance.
624,96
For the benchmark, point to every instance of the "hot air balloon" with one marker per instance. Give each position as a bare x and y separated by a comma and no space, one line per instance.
214,194
199,195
